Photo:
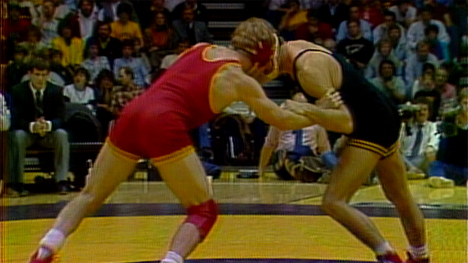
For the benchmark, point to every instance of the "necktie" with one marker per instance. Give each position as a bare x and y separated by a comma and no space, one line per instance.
417,143
39,103
299,136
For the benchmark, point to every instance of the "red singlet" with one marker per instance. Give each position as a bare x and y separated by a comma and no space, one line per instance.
155,125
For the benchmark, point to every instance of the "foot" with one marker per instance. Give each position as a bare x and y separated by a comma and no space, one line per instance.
389,258
63,188
441,182
413,260
50,259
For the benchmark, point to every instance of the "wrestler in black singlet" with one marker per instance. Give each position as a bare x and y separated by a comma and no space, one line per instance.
375,117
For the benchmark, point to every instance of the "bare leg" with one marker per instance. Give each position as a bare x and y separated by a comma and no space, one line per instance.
353,169
110,170
392,177
187,180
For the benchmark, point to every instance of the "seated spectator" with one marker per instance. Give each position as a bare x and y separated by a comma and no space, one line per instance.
354,14
137,65
124,28
333,13
440,10
93,62
108,46
428,91
140,52
292,19
382,30
371,12
405,13
439,49
70,46
400,47
87,18
61,9
33,43
14,27
419,139
447,91
315,30
414,64
199,10
389,83
28,10
291,146
188,28
79,92
384,51
147,15
109,13
416,30
4,114
168,60
159,38
37,116
105,88
15,71
126,92
451,166
426,80
355,47
56,66
47,23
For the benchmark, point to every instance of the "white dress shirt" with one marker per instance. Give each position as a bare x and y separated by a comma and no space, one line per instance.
430,138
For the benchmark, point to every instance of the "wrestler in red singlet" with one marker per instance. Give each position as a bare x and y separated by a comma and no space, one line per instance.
156,124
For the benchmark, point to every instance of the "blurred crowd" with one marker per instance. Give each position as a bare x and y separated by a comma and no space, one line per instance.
94,56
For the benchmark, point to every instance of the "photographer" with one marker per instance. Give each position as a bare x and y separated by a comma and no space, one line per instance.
451,167
419,138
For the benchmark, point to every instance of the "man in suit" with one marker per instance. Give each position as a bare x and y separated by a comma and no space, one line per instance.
188,28
37,116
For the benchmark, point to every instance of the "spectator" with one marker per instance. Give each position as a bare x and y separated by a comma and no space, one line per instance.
95,63
188,28
371,12
426,80
148,14
382,30
16,69
87,18
109,11
4,114
70,46
419,139
354,14
109,47
33,43
439,10
139,71
400,47
199,10
334,12
37,115
65,74
47,23
414,64
105,88
275,11
425,87
439,49
159,38
78,92
171,58
451,166
389,83
384,51
405,13
416,30
355,47
14,27
292,19
140,52
28,10
447,91
126,92
124,28
315,30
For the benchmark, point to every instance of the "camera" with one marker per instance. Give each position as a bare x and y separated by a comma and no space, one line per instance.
449,112
408,110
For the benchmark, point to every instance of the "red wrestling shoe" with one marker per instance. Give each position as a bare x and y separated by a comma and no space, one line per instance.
49,259
389,258
412,260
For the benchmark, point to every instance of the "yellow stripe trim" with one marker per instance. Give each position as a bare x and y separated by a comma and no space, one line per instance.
174,156
122,153
212,84
367,147
370,144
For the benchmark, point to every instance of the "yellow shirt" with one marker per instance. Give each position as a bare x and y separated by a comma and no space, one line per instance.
129,31
298,19
71,55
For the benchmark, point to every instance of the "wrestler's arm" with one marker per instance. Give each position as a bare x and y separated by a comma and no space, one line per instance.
249,91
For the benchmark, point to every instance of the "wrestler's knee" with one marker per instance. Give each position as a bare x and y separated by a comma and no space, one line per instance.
331,203
203,216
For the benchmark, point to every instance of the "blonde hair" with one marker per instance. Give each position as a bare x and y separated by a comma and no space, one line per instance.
252,34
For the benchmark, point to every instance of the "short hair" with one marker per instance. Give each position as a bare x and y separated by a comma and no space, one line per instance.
389,13
128,43
104,74
429,66
350,21
424,100
427,8
430,28
423,42
128,71
84,72
124,7
393,27
54,52
39,64
80,2
388,62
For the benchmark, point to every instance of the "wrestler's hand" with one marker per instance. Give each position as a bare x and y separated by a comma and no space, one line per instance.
296,107
331,100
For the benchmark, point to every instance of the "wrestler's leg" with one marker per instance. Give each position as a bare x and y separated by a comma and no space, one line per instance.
353,169
391,172
187,180
109,171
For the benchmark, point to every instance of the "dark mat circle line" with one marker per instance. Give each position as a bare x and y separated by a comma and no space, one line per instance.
41,211
286,260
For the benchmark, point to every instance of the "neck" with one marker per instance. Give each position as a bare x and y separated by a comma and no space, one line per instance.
285,62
